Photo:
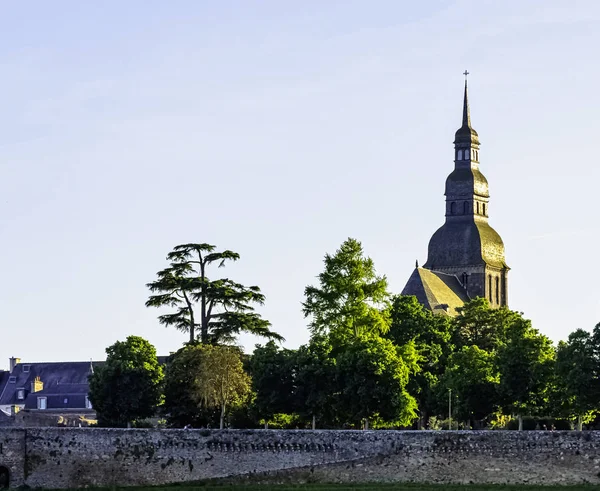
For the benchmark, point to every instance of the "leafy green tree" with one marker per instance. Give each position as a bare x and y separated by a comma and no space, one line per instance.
477,324
472,377
128,387
223,381
202,383
525,363
431,335
350,299
273,380
371,377
315,382
219,309
181,406
577,376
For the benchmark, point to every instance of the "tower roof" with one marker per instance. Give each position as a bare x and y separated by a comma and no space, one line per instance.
441,293
466,133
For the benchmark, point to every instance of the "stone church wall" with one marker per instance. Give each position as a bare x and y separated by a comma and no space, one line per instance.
77,457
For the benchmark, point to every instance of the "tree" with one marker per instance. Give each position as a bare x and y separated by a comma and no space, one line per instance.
431,335
273,380
577,376
351,299
525,364
128,387
473,380
479,325
202,379
315,382
371,378
223,380
220,309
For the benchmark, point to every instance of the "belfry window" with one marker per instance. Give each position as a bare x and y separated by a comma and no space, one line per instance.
497,290
459,155
478,207
483,209
490,286
452,208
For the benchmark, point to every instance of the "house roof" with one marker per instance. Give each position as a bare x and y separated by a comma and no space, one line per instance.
441,293
58,378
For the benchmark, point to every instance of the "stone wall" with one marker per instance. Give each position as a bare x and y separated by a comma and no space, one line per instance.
77,457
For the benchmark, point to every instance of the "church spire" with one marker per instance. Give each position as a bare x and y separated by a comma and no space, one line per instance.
466,136
466,110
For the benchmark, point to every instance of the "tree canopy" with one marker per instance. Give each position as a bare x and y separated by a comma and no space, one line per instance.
210,311
128,387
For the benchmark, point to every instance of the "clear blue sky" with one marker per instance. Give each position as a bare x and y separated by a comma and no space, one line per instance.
279,129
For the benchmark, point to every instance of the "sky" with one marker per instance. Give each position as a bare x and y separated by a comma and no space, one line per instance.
277,130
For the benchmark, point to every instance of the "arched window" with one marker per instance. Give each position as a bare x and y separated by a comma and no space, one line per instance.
483,209
490,286
465,207
497,290
459,155
477,155
478,207
452,208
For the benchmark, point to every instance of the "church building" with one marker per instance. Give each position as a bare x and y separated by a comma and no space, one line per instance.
466,255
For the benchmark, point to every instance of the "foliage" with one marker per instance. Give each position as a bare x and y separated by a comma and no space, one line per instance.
219,309
472,377
350,299
371,378
128,387
479,325
315,382
273,372
223,381
203,381
577,376
525,364
431,335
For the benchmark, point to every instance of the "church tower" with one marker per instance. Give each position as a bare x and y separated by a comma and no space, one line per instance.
466,253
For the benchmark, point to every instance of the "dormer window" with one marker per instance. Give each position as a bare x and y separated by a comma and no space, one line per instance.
42,403
12,379
26,368
20,394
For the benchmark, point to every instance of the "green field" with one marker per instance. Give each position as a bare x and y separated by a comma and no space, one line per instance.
363,487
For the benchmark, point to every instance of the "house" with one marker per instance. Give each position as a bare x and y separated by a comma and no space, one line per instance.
49,392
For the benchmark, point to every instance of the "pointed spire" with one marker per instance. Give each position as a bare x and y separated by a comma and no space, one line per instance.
466,134
466,110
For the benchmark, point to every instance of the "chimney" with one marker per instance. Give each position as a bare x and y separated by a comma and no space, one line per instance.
37,385
13,362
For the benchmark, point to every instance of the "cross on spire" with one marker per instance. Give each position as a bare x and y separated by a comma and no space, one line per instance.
466,74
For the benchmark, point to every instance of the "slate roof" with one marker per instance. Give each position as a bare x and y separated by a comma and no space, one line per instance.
441,293
60,379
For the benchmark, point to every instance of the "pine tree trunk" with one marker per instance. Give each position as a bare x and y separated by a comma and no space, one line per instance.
520,418
579,423
314,422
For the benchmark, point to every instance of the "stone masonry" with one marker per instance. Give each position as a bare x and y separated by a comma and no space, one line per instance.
78,457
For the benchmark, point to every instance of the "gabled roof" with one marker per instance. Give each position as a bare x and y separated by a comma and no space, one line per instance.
58,378
441,293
